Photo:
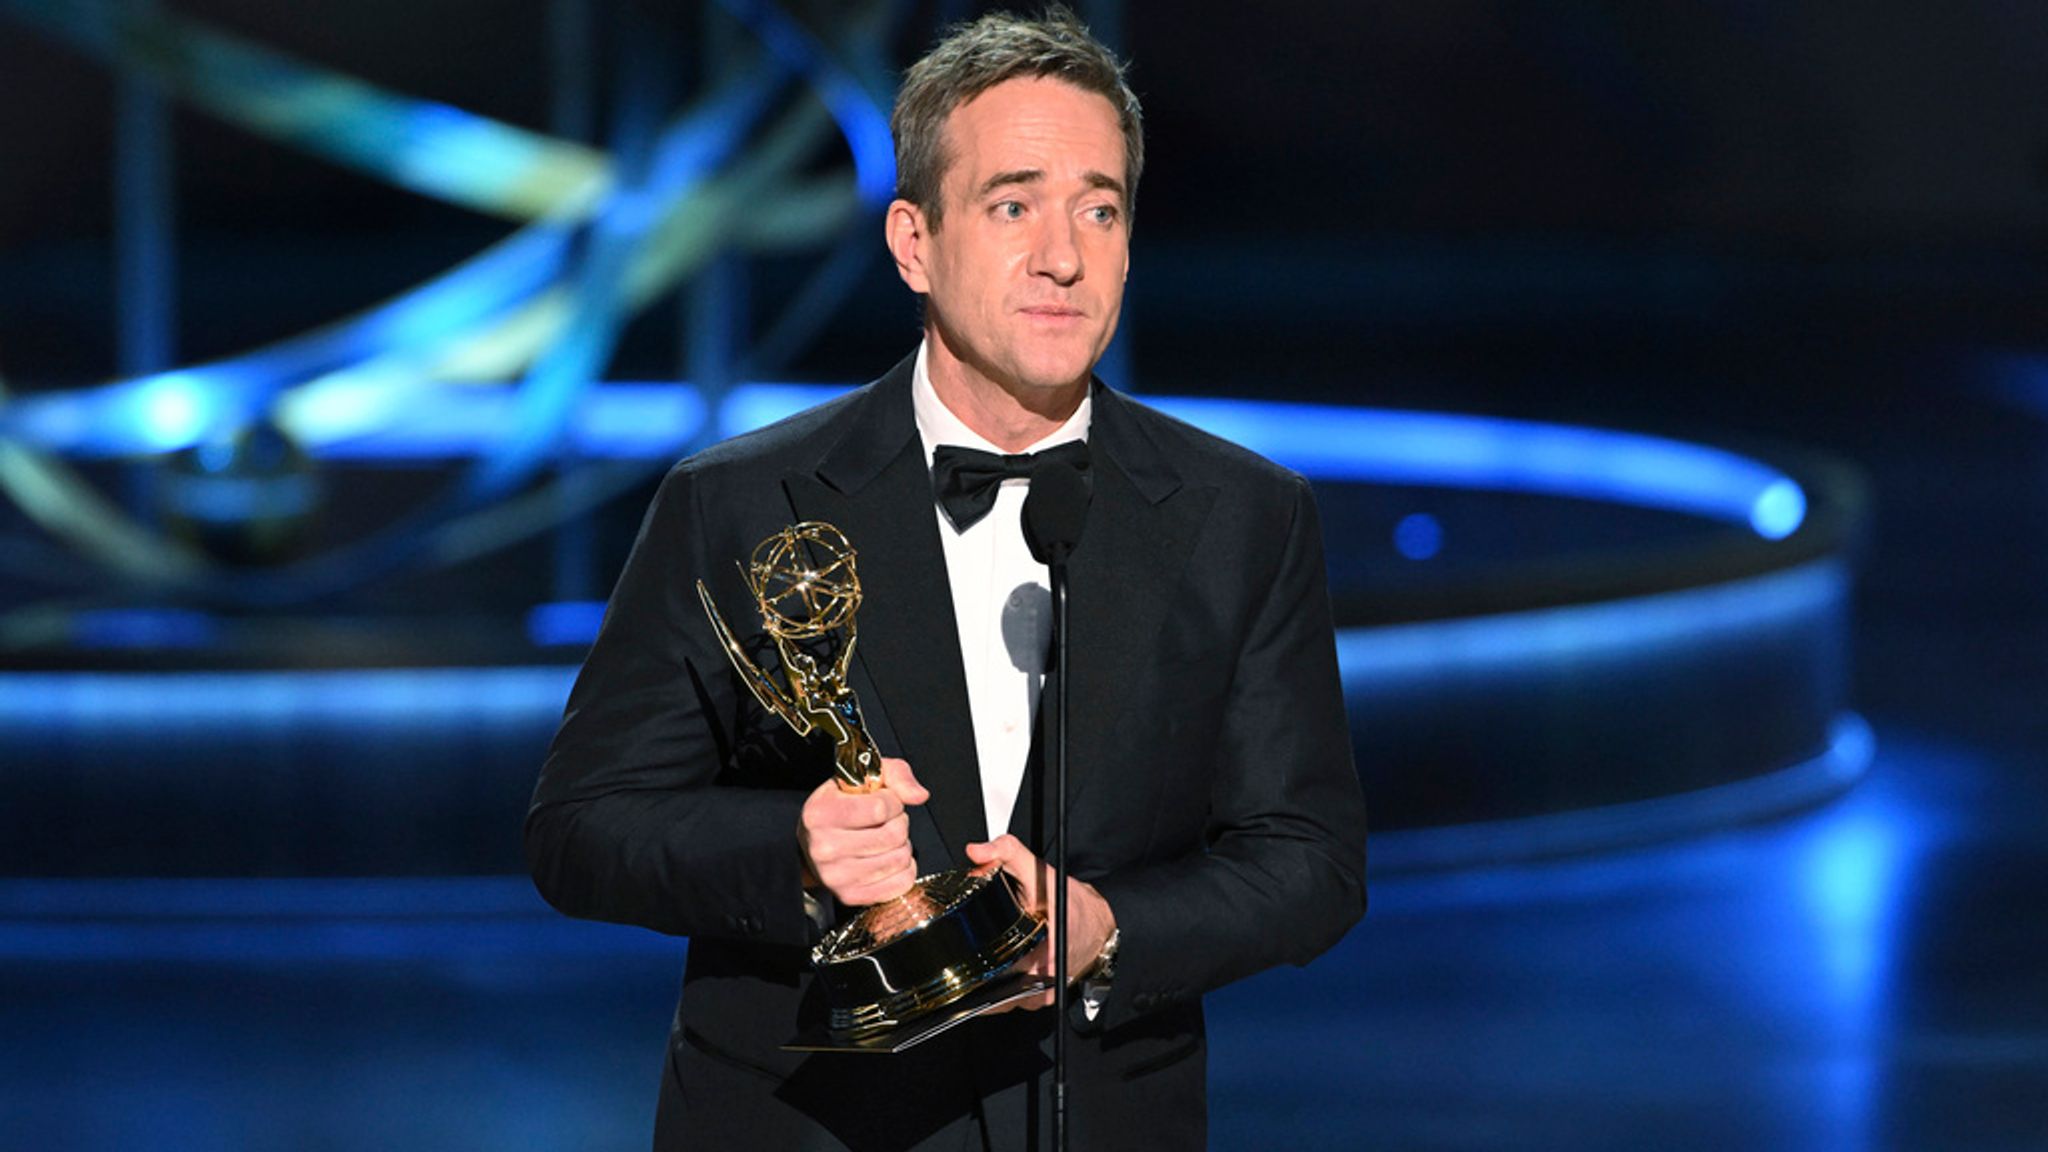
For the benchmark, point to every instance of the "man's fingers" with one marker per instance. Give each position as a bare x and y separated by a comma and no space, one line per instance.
1010,854
865,864
870,879
857,845
1004,850
828,807
889,879
891,869
830,845
868,809
857,857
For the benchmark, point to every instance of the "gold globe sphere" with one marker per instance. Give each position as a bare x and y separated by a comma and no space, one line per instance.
804,580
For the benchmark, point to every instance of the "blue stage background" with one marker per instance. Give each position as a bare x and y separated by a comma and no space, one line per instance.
1672,377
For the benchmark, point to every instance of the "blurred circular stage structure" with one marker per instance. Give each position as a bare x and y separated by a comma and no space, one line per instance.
1554,639
334,636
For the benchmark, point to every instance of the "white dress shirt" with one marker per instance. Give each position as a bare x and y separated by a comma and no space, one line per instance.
1002,604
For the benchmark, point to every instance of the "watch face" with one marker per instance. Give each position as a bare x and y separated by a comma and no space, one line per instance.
1105,961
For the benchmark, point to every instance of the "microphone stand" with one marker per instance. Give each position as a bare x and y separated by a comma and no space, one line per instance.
1057,738
1054,511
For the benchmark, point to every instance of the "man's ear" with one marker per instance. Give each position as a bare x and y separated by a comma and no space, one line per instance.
905,232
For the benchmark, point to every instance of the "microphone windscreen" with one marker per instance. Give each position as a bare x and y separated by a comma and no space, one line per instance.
1055,509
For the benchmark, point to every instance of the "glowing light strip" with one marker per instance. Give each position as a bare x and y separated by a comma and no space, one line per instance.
638,422
431,148
113,703
1447,450
633,421
174,409
755,406
623,421
682,159
68,507
1371,660
1375,659
860,114
1379,445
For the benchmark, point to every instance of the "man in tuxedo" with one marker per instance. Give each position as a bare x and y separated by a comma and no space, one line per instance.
1216,823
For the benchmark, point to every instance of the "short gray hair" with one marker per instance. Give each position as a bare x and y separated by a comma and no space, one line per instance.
975,57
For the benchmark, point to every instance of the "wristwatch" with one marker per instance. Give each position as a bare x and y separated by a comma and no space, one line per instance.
1095,985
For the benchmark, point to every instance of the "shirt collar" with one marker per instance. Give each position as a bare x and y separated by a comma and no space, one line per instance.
936,423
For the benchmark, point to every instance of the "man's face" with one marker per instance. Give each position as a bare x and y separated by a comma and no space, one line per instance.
1024,277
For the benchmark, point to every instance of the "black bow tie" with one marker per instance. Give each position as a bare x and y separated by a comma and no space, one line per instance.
965,480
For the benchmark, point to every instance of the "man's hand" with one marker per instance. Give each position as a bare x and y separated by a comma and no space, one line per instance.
1088,913
857,844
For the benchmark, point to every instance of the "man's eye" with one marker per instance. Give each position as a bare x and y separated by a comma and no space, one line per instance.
1102,214
1010,210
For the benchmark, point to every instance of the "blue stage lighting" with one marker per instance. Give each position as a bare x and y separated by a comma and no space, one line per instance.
759,405
1456,451
630,422
1779,510
1378,445
567,622
143,628
168,411
366,698
860,115
1375,659
1418,536
1849,877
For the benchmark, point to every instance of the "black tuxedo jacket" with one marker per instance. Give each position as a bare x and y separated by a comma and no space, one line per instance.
1214,803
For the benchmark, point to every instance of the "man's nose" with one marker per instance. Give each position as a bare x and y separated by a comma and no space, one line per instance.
1058,253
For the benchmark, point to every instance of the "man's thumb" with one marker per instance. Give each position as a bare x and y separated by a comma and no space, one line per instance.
898,778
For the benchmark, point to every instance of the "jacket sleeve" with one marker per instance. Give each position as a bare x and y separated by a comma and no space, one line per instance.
1283,875
644,813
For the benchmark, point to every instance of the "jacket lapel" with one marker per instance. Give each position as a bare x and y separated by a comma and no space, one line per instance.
1142,524
874,486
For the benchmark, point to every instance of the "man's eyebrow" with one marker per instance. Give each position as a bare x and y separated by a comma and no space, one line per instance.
1105,181
1017,176
1013,176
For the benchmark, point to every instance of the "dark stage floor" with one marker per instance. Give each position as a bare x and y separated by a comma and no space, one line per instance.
1868,976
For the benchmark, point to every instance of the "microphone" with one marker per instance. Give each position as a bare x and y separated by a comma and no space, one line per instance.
1055,509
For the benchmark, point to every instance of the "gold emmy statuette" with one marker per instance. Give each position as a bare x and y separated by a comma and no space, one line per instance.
901,971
